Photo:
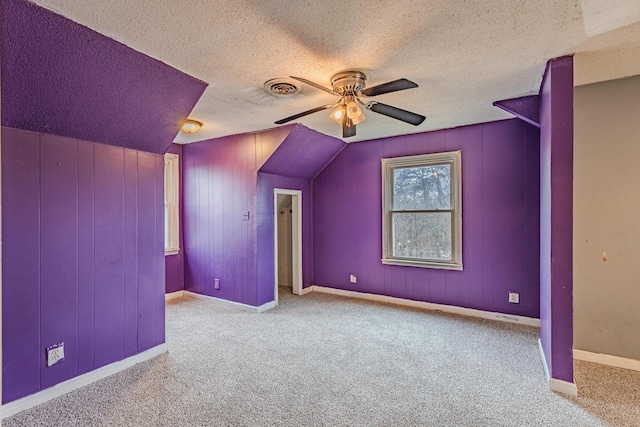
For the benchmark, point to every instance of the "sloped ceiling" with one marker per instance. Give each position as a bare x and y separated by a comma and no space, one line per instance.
464,55
302,154
62,78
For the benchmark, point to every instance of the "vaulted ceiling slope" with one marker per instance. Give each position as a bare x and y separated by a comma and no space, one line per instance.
302,154
62,78
464,55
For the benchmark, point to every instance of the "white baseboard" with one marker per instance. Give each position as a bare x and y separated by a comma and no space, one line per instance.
72,384
529,321
238,305
173,295
564,387
306,290
555,384
607,359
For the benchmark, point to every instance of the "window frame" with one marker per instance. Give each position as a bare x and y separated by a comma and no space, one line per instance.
454,159
172,203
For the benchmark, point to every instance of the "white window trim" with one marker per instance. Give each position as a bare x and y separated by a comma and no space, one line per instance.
454,158
172,202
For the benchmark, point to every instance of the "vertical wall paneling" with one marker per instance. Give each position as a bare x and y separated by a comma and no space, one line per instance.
532,213
487,215
86,256
220,184
499,191
109,260
147,314
59,254
158,254
22,352
130,252
72,219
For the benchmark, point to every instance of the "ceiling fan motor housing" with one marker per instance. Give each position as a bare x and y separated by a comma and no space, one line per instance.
348,82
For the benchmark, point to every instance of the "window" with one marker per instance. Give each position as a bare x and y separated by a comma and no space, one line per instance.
422,211
171,205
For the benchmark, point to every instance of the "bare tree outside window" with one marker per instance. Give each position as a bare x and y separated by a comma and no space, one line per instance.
422,209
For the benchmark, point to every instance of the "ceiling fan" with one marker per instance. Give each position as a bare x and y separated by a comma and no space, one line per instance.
349,86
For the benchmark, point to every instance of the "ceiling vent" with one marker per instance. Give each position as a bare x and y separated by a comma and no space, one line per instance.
281,87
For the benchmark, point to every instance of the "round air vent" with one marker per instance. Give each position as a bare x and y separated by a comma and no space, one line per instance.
281,87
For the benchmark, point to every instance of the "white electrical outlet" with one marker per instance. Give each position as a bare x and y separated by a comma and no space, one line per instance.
55,354
353,278
514,297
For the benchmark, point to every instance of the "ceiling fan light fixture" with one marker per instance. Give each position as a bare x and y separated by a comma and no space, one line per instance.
355,113
191,126
338,114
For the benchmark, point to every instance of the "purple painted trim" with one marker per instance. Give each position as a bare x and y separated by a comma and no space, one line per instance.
526,108
61,78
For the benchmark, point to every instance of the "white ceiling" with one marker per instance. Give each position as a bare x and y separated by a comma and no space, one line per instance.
463,54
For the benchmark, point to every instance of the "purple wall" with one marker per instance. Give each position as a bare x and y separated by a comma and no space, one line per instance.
82,256
220,178
500,190
221,181
266,259
556,217
61,78
174,264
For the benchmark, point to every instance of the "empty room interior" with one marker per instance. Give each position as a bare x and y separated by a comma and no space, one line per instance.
320,213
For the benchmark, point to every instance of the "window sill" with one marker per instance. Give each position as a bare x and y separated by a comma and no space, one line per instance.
422,264
169,252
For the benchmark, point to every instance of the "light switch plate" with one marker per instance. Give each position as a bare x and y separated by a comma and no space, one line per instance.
55,354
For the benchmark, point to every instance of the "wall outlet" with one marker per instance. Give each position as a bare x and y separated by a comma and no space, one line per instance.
55,354
353,278
216,283
514,297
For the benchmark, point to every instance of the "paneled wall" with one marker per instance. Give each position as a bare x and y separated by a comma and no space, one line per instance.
220,181
83,256
501,218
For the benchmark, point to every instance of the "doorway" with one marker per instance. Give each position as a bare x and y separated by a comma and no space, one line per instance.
287,232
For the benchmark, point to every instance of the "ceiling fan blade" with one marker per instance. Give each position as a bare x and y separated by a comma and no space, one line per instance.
394,86
304,113
316,85
348,128
396,113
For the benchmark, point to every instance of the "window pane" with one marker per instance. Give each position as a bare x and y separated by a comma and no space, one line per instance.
422,188
422,235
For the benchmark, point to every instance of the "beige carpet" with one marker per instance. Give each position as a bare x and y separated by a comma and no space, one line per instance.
323,360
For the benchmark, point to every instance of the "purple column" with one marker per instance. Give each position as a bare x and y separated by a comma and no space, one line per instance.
556,217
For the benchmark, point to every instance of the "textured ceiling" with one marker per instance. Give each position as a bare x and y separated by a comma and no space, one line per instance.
463,54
